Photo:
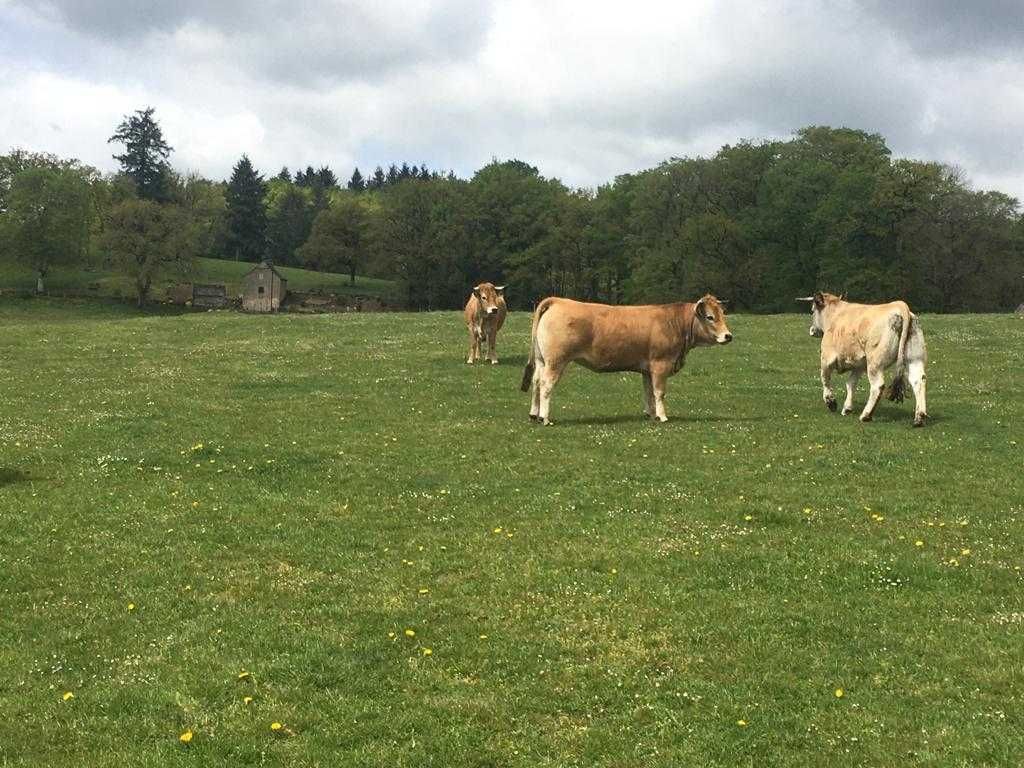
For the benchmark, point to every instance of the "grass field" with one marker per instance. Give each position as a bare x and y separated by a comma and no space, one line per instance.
213,523
106,284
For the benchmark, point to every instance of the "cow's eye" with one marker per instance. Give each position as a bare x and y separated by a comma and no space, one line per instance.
710,318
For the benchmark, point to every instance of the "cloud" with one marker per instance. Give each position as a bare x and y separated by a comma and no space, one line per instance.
583,90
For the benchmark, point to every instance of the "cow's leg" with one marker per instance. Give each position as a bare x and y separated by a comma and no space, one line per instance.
659,378
851,386
826,387
548,379
876,377
472,346
917,378
492,340
648,394
538,368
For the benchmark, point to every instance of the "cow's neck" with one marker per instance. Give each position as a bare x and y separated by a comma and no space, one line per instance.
686,334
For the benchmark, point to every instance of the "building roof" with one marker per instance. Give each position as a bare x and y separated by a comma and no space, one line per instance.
267,265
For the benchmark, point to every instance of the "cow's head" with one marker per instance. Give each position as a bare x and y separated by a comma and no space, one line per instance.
488,295
710,325
820,303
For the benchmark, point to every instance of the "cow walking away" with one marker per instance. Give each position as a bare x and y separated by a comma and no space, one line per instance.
859,338
485,314
650,340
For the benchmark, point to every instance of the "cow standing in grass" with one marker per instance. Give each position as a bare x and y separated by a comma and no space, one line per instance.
650,340
485,314
859,338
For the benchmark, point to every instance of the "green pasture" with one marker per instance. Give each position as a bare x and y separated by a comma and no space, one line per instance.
211,523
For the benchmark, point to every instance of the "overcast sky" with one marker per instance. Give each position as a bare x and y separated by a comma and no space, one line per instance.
583,90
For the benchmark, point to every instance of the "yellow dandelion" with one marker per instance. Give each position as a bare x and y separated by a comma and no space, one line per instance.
195,504
839,693
424,590
243,675
483,637
247,699
410,633
186,737
807,510
741,723
918,543
131,606
497,530
276,727
748,518
614,571
965,552
68,696
427,651
391,634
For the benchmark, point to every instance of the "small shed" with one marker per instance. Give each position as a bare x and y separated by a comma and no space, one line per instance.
263,288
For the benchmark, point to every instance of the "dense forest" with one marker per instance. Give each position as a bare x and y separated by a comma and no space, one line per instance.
758,224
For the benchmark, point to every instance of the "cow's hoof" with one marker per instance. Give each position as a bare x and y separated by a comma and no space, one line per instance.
549,423
661,419
831,404
534,417
494,362
847,411
866,419
919,420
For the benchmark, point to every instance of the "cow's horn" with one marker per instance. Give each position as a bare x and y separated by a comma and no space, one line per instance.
804,298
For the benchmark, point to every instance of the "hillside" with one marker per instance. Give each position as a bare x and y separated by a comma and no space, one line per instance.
101,283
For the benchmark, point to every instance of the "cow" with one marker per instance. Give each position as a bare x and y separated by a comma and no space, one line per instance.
485,314
650,340
859,338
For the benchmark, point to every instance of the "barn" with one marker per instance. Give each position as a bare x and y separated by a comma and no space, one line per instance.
263,288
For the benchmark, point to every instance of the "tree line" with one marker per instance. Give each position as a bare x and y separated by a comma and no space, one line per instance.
758,223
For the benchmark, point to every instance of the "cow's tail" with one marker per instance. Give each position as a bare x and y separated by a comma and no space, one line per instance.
531,361
899,379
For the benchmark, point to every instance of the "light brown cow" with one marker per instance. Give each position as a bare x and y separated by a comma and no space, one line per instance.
650,340
869,337
485,314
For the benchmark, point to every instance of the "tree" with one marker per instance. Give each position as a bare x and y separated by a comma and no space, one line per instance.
284,175
339,237
378,180
48,219
247,218
146,241
145,156
356,183
289,219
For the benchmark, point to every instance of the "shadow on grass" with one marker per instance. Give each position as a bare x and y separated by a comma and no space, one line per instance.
641,419
12,476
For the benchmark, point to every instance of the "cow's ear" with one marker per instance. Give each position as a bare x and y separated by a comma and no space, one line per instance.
819,300
500,290
700,309
476,291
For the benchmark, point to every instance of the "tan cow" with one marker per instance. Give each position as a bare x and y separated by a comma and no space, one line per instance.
650,340
485,314
869,337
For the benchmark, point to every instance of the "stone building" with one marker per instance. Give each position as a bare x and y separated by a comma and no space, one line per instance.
263,288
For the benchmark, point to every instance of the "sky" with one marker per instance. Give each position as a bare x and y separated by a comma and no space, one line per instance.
583,90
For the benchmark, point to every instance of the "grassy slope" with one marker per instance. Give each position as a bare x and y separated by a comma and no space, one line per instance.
76,282
642,588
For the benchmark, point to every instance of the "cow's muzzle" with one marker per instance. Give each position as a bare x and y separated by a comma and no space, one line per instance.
725,338
817,333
